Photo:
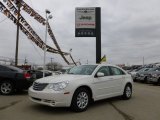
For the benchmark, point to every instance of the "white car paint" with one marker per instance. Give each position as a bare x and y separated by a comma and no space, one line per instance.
101,87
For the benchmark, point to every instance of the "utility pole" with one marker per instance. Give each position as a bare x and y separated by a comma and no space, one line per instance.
25,61
52,66
17,37
79,61
143,61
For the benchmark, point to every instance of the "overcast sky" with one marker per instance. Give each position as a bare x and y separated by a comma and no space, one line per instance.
130,31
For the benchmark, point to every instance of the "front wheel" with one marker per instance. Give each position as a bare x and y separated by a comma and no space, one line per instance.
80,100
6,88
127,94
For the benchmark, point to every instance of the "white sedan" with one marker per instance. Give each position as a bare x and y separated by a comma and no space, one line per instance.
82,85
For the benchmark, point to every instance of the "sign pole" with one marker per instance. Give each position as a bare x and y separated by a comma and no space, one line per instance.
98,35
88,24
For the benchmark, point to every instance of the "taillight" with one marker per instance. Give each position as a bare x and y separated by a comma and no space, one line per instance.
27,75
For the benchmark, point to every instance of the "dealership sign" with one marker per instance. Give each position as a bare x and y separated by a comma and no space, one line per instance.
85,22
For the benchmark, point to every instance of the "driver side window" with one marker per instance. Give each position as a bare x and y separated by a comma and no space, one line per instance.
105,70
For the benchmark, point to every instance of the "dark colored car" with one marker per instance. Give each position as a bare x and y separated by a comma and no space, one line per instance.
12,79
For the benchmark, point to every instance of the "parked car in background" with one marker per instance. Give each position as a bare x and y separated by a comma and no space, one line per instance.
143,76
133,73
136,75
154,76
57,73
36,74
82,85
12,79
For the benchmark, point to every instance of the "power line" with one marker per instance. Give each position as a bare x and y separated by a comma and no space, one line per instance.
36,50
3,20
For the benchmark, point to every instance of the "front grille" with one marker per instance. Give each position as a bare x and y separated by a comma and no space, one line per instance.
149,75
39,86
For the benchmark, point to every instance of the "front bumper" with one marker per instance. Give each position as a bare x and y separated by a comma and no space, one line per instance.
133,77
141,78
50,97
153,79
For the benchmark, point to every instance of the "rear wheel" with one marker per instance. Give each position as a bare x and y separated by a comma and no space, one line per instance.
135,80
6,88
158,81
80,100
127,94
145,80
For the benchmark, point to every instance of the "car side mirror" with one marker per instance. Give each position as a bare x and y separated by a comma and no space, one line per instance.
100,74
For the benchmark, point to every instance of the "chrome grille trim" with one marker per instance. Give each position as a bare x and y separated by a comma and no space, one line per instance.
39,86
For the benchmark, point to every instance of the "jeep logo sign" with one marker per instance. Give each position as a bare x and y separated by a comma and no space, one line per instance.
85,22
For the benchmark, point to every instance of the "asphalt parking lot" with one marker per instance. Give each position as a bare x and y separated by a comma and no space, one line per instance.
144,105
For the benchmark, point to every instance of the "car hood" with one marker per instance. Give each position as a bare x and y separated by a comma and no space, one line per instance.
144,72
133,73
155,72
61,78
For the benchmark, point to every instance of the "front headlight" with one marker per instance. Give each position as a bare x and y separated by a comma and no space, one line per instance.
58,86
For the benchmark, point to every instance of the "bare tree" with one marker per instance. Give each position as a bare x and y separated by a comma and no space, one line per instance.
54,66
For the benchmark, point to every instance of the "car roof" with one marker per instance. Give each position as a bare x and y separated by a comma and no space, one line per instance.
105,65
12,67
102,64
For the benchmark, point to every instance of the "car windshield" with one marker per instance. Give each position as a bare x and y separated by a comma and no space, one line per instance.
82,70
143,69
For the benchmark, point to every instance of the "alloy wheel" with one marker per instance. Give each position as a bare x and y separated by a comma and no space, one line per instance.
128,91
6,88
82,100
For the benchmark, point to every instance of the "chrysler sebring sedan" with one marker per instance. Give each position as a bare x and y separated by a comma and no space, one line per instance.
82,85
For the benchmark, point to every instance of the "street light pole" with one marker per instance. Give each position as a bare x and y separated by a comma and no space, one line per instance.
44,60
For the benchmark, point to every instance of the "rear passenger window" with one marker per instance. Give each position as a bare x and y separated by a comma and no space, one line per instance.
116,71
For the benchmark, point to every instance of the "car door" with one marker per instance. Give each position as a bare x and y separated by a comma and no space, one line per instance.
103,86
117,82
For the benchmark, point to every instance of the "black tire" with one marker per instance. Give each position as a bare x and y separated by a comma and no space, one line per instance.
127,94
158,83
6,88
134,80
145,80
80,100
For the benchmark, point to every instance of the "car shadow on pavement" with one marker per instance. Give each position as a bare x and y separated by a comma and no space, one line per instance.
66,110
23,92
17,93
105,101
50,110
